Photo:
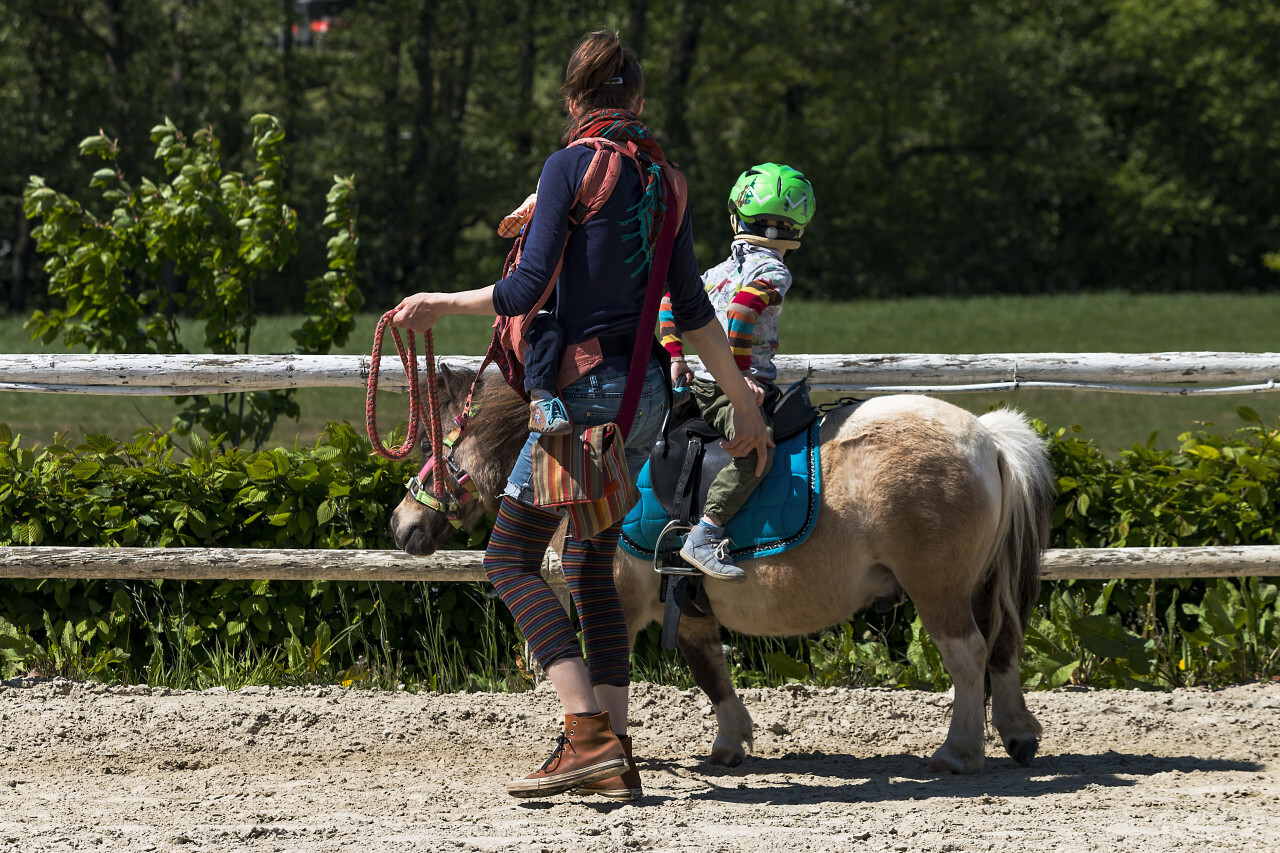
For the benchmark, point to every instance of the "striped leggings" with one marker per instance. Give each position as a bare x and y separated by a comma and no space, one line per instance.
512,563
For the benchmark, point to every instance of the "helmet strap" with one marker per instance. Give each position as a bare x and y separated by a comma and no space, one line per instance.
777,245
743,231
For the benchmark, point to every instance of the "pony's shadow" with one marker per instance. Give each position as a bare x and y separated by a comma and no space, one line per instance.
893,778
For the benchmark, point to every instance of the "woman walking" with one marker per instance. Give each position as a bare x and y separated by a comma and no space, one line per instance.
599,297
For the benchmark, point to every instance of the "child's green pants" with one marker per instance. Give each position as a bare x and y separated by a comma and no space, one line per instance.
737,480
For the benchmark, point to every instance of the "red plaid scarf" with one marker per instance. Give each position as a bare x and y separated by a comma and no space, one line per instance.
620,126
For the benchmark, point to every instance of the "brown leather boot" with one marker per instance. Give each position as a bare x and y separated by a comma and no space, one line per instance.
587,751
624,787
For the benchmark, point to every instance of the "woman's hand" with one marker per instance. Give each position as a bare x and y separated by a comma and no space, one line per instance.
749,432
750,435
421,311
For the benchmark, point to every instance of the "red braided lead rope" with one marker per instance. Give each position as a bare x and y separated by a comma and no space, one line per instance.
428,420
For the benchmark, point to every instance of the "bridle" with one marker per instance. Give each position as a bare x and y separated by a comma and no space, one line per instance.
452,487
464,490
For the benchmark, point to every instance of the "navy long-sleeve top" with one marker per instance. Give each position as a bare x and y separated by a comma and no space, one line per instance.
599,292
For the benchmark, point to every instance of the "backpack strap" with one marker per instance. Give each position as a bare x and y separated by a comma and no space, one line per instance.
584,356
598,182
597,185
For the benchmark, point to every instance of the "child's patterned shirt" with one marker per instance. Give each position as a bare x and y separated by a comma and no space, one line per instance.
746,291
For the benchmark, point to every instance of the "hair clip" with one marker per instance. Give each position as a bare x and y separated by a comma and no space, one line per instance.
612,81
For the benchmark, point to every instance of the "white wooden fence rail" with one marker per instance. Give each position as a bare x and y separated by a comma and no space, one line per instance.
337,565
1143,373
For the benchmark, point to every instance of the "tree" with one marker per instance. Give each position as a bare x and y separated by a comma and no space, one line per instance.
193,247
1187,88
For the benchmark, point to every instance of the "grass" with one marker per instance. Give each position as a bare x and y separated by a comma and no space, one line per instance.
1106,322
163,653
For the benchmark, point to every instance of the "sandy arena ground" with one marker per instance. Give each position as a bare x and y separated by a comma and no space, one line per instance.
87,767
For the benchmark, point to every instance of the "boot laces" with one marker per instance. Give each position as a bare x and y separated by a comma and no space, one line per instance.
722,548
561,743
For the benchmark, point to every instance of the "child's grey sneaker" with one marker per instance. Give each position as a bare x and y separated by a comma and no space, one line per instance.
548,416
710,554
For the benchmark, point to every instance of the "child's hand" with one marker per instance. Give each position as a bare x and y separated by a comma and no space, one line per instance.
680,372
756,388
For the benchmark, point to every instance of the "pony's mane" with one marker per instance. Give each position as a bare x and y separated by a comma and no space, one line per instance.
501,411
498,429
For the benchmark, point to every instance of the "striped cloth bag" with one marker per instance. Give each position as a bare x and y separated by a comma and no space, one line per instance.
585,473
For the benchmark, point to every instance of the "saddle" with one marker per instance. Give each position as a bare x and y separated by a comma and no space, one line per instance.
681,468
688,456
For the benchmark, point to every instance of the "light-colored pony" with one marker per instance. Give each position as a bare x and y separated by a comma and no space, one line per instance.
918,496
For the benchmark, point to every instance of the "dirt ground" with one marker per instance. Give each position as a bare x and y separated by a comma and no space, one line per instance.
87,767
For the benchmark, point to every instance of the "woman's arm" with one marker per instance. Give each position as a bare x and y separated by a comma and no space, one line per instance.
421,311
517,293
749,432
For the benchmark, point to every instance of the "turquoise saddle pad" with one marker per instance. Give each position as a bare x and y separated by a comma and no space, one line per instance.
779,515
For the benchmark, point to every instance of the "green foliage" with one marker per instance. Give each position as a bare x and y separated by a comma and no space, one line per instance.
143,494
197,246
1080,642
1146,634
860,653
1212,490
955,148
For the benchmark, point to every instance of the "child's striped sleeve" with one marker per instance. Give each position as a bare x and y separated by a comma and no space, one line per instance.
667,330
742,314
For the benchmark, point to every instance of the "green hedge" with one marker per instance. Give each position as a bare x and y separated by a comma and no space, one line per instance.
1213,490
146,493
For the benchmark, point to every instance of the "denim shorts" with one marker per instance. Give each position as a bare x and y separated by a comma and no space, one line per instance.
595,399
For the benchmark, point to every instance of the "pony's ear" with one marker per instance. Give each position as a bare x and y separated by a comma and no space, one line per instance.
453,380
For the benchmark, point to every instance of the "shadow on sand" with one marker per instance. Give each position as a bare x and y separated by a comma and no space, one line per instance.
892,778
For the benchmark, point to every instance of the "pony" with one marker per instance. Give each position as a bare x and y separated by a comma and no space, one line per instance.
919,497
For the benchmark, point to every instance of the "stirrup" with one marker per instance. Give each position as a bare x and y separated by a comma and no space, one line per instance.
686,569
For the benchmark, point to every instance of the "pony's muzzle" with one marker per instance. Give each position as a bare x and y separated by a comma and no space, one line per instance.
412,530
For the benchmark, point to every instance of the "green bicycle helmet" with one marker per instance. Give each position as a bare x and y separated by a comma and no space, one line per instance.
772,198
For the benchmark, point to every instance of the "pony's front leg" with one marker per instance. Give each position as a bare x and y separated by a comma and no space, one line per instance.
699,641
964,652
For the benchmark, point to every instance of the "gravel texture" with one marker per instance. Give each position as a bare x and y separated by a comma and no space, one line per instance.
89,767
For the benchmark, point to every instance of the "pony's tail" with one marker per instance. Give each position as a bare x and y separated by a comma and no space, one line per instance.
1028,493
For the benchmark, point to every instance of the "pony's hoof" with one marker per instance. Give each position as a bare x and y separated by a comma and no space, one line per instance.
948,761
726,755
1022,748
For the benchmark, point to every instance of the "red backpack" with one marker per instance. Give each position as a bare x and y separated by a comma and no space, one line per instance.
507,347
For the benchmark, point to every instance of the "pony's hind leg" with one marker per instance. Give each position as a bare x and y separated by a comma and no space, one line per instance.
699,641
963,751
964,653
1019,730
